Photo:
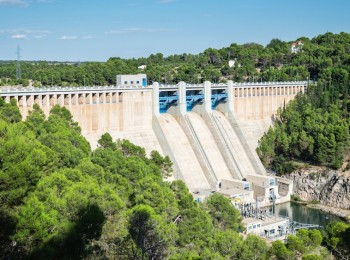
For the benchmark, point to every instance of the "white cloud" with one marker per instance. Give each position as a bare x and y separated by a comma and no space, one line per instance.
28,33
13,2
22,2
69,37
137,30
87,37
18,36
166,1
41,33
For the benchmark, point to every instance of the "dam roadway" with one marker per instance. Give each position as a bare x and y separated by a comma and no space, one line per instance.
208,130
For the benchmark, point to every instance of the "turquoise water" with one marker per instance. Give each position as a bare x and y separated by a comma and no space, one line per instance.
303,214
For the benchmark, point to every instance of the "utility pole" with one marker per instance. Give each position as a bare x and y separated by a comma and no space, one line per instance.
18,68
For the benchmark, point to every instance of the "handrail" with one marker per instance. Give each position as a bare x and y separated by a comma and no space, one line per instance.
100,88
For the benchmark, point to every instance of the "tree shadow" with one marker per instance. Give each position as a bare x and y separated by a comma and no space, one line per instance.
8,228
73,245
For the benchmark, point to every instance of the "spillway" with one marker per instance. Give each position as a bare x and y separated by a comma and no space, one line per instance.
209,151
175,143
235,152
249,132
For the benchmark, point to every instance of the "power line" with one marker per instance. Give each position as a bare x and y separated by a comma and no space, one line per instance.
18,68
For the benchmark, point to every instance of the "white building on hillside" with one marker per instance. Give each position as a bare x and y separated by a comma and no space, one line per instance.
138,80
295,47
142,67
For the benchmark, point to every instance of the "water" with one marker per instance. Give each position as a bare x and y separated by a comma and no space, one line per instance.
301,213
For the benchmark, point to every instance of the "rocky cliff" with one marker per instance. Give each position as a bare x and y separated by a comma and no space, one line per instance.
328,187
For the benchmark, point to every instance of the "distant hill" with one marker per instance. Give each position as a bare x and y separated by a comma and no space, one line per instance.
277,61
313,128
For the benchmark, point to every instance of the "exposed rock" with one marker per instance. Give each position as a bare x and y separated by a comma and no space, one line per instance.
328,187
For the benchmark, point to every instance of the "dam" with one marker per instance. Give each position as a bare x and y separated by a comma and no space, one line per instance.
210,131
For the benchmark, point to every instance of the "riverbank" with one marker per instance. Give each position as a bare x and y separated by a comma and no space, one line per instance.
323,189
341,213
305,215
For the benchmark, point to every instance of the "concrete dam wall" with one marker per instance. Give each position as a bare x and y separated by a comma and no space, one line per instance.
175,143
123,114
209,131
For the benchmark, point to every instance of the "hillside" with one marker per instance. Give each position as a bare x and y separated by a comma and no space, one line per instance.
324,57
314,128
61,200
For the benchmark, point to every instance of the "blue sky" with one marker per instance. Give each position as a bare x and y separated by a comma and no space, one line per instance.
95,30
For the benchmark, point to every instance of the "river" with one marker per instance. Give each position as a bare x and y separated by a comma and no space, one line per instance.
301,213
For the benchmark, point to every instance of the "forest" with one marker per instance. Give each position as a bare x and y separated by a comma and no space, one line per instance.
61,200
313,129
325,57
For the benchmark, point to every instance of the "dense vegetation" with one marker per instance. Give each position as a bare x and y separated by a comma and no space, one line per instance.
304,131
59,199
323,57
314,128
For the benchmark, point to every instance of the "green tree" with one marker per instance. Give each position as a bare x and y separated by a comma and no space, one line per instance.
24,161
9,112
195,227
157,194
164,163
280,251
62,135
35,119
106,141
254,248
227,243
150,233
312,257
224,215
294,243
337,238
64,213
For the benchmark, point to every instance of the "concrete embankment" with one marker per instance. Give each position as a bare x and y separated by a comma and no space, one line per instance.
248,135
233,148
175,143
126,115
204,143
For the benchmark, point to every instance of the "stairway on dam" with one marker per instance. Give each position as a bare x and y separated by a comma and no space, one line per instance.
175,143
208,149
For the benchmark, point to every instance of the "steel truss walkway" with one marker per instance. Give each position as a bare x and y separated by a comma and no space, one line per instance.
294,226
